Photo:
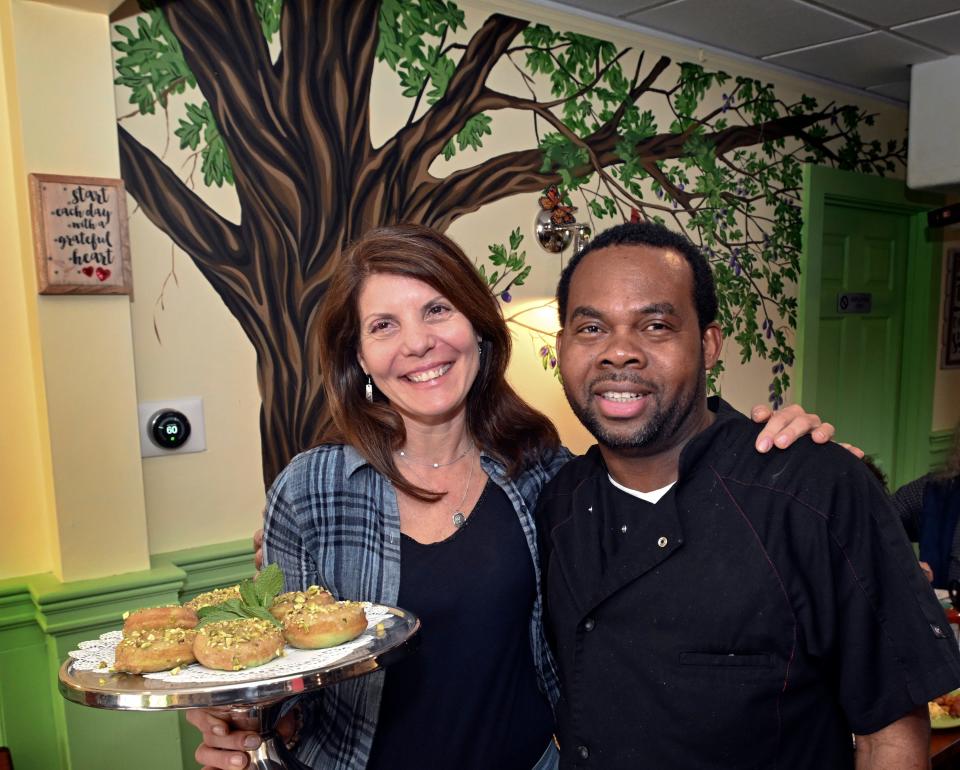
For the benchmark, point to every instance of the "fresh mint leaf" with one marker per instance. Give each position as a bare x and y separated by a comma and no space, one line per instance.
220,612
263,614
268,584
248,594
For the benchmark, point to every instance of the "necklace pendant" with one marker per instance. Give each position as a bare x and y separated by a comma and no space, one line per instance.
459,519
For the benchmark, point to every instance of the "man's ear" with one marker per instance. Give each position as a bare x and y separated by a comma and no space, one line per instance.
712,342
558,339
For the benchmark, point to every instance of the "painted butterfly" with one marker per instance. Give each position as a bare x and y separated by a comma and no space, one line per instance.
552,202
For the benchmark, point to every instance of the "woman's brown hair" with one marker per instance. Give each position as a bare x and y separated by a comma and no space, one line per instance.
499,421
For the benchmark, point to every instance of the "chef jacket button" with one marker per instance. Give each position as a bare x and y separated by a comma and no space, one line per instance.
588,624
662,542
583,752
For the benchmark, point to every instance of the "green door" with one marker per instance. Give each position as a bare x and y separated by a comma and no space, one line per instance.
862,297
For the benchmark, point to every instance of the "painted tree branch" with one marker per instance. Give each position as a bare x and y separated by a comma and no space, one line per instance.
212,242
442,121
515,172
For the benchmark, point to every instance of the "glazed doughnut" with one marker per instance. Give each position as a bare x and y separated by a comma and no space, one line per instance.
214,597
292,600
168,616
314,626
232,645
154,649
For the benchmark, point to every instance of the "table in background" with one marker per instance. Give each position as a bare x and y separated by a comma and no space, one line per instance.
945,749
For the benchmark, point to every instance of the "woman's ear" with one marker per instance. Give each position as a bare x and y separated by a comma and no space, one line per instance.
362,364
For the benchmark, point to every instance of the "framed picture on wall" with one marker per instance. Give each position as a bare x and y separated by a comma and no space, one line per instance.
80,236
951,313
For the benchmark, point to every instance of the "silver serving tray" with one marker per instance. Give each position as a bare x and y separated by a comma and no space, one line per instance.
130,692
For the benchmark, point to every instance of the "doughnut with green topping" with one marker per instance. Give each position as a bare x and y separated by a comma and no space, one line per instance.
169,616
154,649
232,645
314,626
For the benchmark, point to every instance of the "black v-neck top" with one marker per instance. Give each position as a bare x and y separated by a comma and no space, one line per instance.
468,698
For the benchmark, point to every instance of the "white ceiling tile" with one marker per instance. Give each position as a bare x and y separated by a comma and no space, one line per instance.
612,7
942,32
862,61
752,27
886,13
898,91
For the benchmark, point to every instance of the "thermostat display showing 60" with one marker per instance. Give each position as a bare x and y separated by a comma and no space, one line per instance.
169,429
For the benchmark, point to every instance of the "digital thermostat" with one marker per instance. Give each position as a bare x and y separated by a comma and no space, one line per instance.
169,428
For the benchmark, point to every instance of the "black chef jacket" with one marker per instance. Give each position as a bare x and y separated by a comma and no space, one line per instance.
764,609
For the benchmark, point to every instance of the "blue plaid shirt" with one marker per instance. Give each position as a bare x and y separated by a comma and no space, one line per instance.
333,521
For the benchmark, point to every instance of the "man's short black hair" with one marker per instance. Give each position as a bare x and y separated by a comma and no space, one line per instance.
658,236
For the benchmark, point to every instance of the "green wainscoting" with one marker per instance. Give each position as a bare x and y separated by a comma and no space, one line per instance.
26,698
41,619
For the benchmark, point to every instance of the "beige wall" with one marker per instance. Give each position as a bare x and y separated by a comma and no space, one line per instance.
742,385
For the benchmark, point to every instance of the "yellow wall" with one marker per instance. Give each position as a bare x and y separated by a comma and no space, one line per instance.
27,514
66,112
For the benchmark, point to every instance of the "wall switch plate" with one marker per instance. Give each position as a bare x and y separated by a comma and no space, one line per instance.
191,408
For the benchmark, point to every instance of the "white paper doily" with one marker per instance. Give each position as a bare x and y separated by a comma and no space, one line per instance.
98,655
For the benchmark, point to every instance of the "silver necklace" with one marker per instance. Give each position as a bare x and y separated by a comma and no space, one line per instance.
459,518
456,459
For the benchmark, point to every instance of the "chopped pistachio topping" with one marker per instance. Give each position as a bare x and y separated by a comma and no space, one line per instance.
225,634
300,597
214,597
303,617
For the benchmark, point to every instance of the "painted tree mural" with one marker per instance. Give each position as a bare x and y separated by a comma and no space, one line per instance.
278,104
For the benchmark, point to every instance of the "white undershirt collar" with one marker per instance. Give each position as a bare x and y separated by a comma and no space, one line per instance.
651,497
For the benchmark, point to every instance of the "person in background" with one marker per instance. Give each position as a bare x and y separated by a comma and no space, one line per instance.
421,495
929,508
709,606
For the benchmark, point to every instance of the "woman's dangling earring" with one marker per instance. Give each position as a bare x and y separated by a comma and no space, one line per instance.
368,390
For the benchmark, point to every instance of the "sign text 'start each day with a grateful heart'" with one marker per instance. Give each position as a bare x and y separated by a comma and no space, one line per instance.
80,235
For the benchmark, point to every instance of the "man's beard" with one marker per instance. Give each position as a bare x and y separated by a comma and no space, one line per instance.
663,423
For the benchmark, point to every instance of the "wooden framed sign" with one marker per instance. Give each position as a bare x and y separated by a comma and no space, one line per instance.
80,236
951,313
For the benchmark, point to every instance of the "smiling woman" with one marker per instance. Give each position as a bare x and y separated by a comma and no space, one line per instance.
430,461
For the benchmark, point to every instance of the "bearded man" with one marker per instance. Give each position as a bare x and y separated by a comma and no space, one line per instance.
710,606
